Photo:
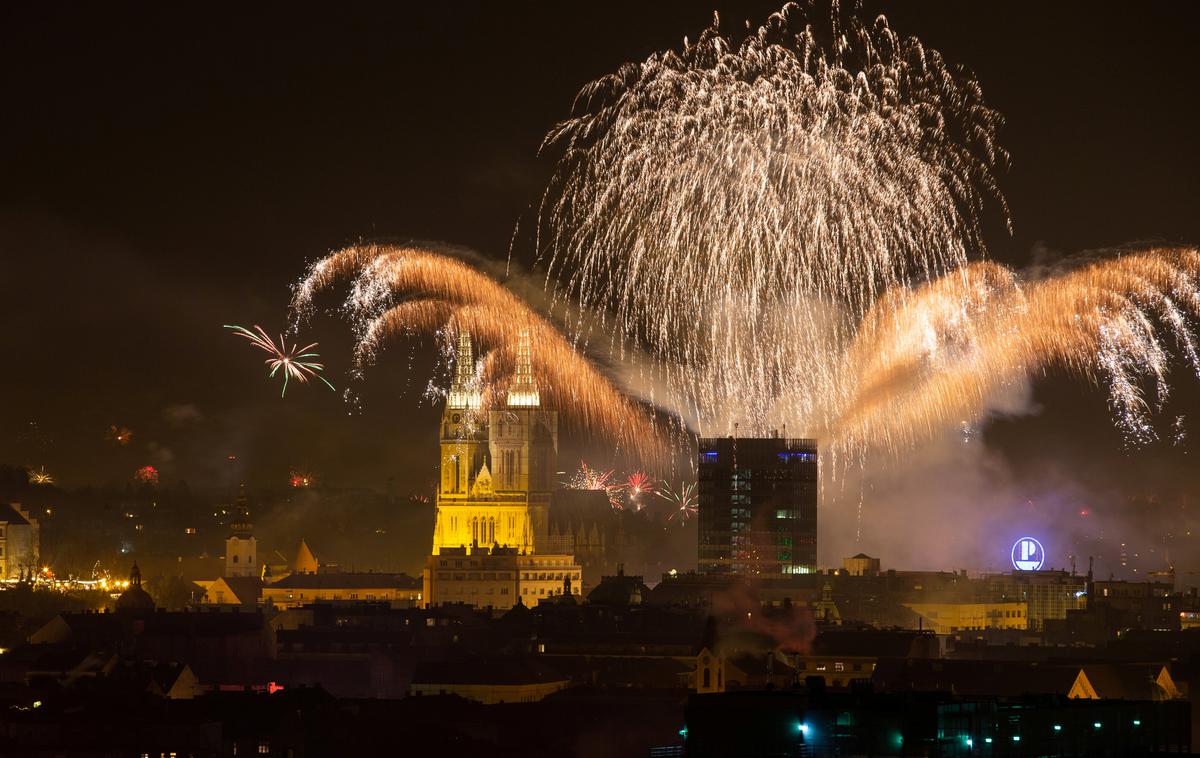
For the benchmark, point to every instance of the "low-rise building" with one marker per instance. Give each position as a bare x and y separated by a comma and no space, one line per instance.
1049,594
861,565
948,618
488,682
497,577
243,591
298,589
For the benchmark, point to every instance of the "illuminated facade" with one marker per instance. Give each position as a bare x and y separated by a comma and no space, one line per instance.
497,577
757,506
493,500
1048,594
951,617
19,542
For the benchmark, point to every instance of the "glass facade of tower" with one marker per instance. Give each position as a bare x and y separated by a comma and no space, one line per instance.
757,506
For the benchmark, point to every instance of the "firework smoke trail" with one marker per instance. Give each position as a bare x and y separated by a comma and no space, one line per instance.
399,290
295,363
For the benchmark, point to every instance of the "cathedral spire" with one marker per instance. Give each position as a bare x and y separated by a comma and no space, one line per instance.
464,364
463,392
523,391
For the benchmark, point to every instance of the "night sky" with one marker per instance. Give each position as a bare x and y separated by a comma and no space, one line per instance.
166,171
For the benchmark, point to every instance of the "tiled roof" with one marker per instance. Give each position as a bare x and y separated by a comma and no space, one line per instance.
346,581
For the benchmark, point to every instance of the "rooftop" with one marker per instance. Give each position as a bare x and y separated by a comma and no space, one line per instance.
346,580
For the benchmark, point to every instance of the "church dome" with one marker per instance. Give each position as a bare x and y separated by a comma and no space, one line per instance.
135,599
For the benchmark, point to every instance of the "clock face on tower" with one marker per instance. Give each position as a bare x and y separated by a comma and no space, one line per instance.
456,418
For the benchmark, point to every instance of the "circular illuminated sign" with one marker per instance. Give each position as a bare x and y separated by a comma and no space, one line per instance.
1028,554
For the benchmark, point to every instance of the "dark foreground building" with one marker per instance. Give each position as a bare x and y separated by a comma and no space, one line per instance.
808,721
758,506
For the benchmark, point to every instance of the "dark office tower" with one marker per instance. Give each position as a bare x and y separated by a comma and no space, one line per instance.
758,506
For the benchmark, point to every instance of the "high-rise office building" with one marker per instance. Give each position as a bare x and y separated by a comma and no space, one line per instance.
757,506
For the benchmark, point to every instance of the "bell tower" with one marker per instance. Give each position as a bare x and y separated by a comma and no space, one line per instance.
523,441
463,427
241,548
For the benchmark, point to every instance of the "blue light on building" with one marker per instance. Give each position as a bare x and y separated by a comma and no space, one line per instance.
1028,554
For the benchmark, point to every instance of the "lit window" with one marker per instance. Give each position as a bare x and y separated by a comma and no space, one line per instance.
264,748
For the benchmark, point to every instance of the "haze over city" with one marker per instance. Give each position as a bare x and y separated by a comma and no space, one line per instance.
721,308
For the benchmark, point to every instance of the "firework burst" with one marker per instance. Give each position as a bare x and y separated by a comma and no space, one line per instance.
118,435
637,484
299,478
147,475
716,200
780,231
41,476
588,478
290,363
682,498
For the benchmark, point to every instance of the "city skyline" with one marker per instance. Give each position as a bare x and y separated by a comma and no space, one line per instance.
158,278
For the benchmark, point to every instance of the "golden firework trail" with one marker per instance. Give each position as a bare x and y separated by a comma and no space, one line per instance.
406,290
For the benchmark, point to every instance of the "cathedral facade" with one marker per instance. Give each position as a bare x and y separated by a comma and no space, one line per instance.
497,472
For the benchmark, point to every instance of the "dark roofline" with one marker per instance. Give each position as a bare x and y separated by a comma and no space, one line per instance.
16,518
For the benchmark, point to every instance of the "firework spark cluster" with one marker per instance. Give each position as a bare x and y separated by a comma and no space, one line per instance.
632,492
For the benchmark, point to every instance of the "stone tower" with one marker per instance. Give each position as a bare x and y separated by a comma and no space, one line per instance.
241,549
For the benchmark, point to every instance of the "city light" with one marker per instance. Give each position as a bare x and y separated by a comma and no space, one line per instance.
1058,727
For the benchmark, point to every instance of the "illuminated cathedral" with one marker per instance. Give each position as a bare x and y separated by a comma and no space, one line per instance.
497,471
